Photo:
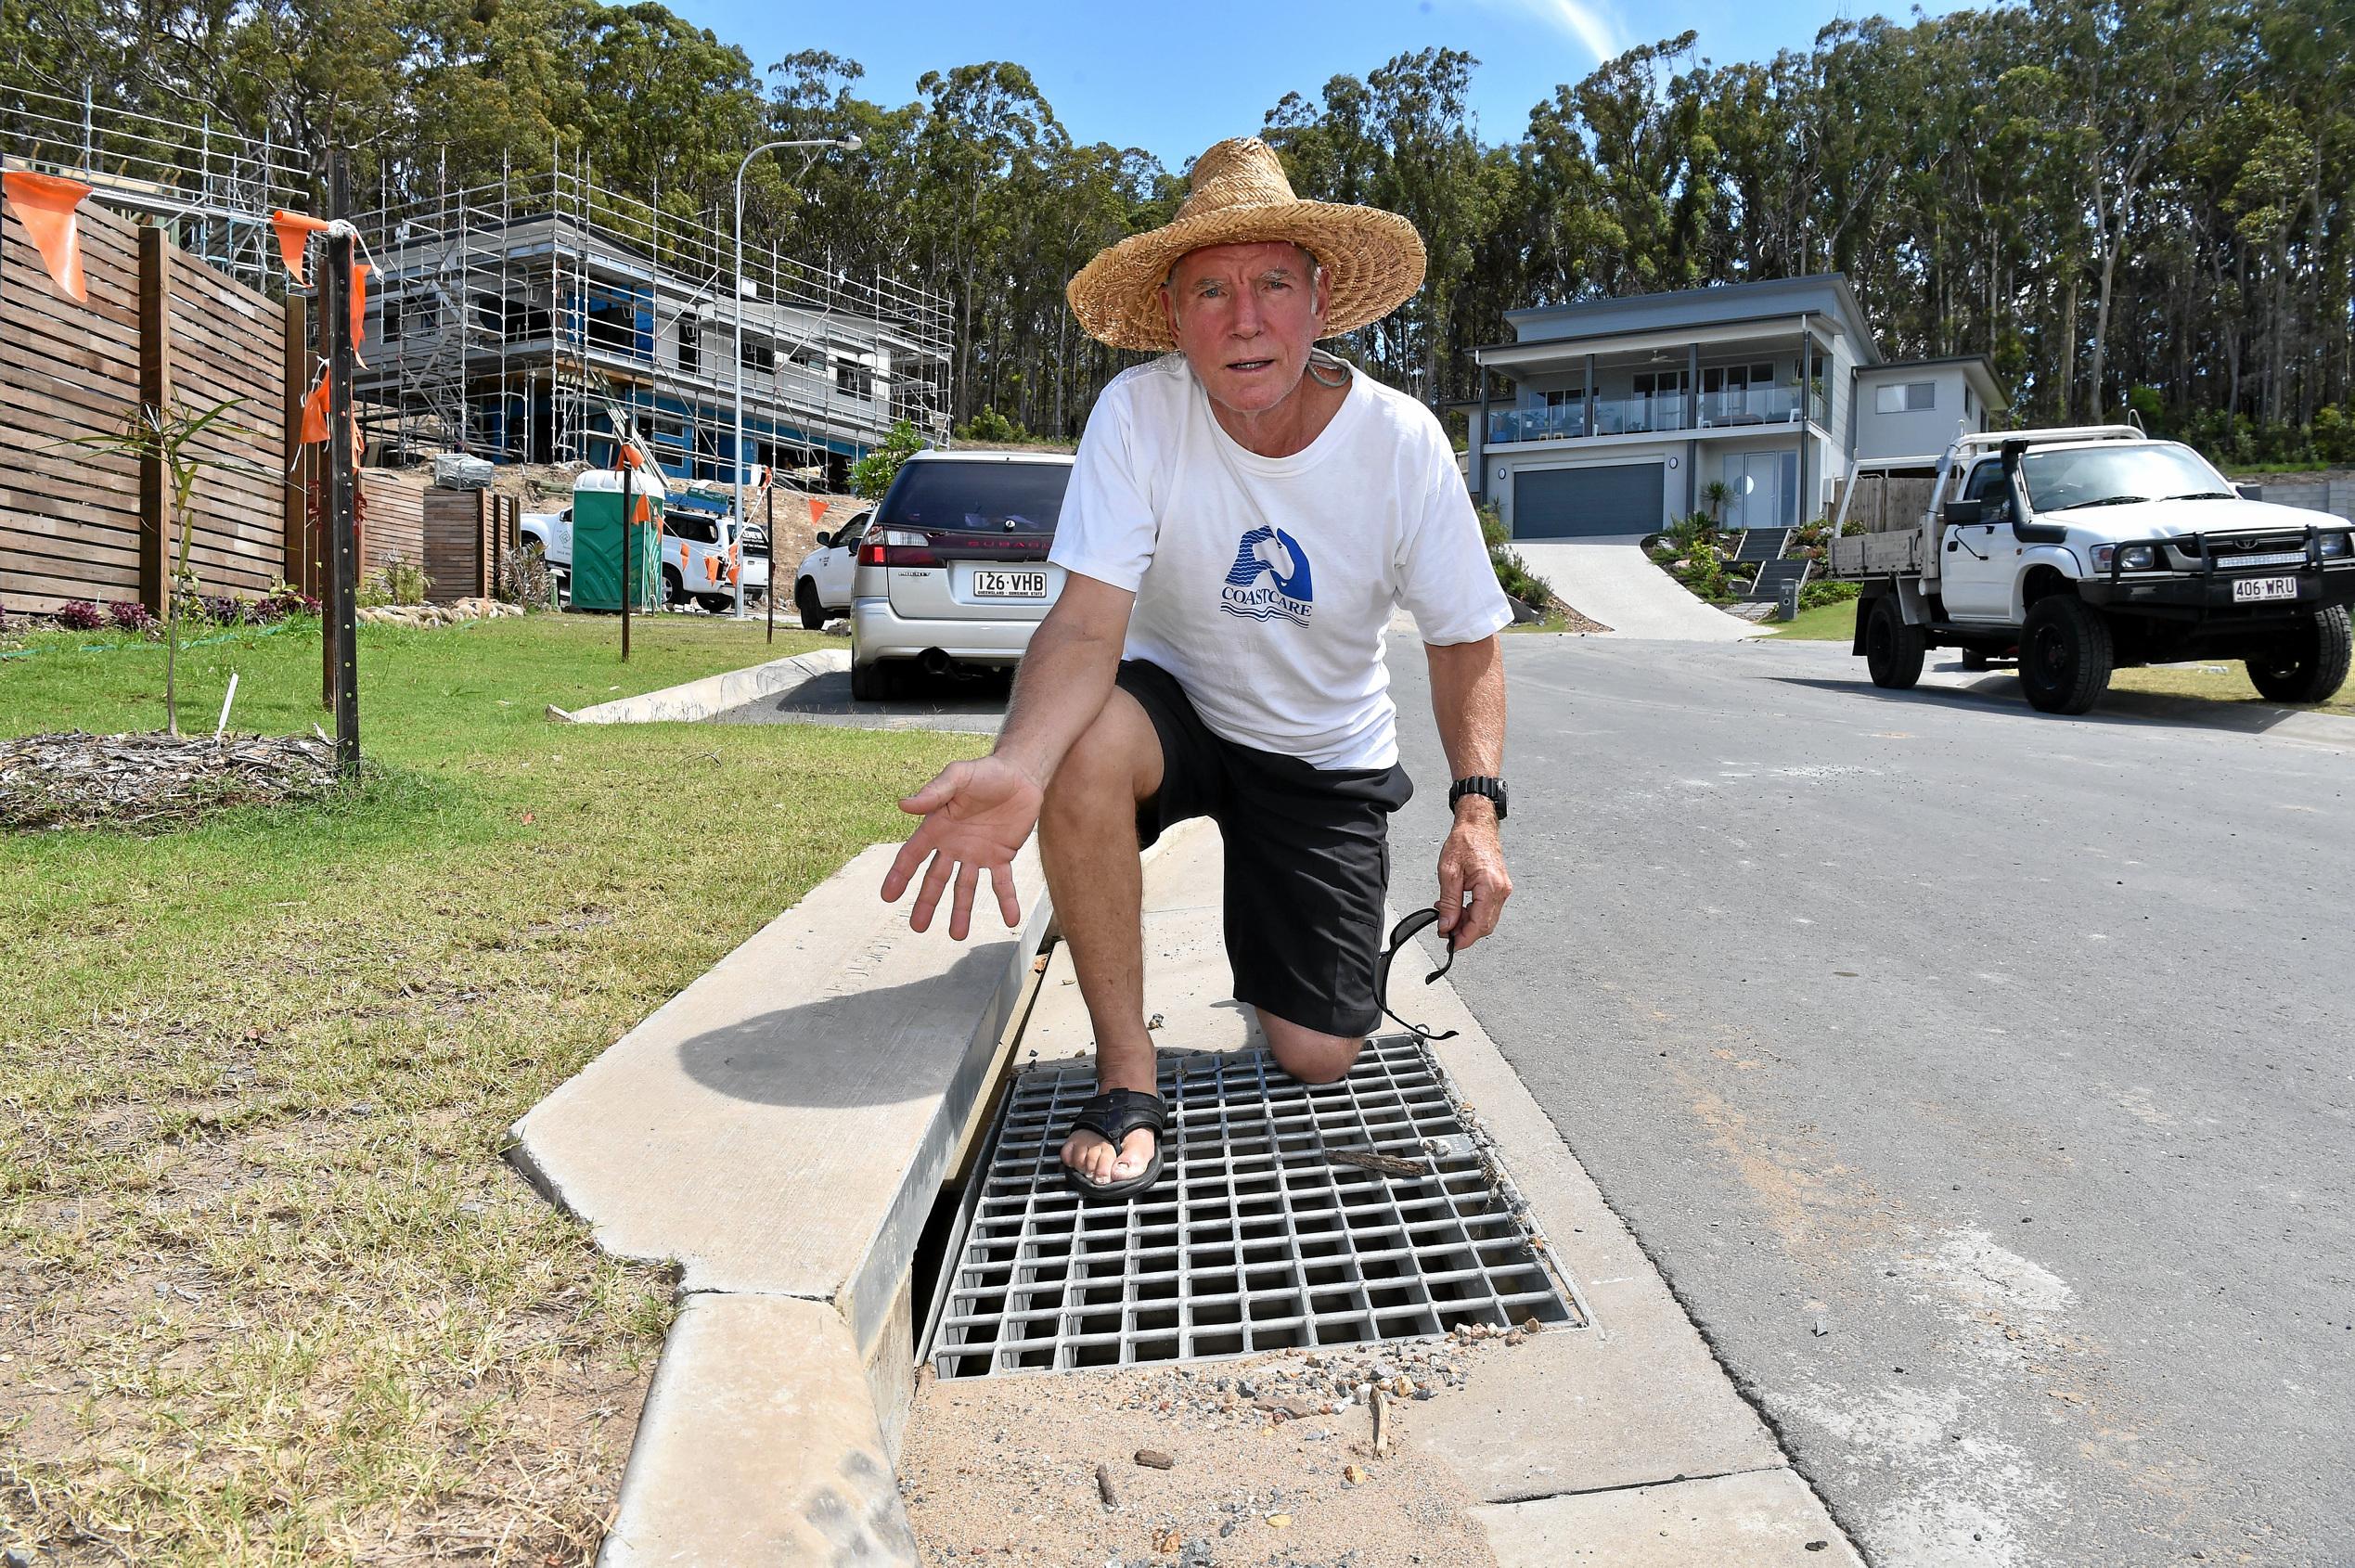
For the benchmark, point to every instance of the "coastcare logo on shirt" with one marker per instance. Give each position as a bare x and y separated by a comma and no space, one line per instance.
1277,554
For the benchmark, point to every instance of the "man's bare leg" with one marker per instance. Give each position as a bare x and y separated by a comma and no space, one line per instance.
1307,1055
1087,839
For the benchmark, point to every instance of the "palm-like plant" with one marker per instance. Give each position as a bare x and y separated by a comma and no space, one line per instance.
169,435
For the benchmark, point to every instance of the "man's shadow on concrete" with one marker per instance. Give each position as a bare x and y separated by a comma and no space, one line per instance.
874,1046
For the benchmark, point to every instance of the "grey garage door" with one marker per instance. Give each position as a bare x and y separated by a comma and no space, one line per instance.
1582,503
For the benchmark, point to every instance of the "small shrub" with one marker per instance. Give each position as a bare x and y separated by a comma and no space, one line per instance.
285,600
1816,594
81,615
130,615
525,579
1702,571
990,425
1512,573
224,610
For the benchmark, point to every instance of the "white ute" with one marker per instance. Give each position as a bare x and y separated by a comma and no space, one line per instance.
2081,551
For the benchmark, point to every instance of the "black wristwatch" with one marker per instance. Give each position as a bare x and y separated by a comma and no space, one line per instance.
1492,788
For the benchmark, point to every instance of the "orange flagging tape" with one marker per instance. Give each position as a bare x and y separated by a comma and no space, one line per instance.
360,271
45,204
295,230
315,412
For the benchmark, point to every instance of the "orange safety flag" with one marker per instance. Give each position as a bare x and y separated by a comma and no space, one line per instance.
641,509
295,230
710,568
682,556
817,510
315,412
626,456
44,204
735,570
360,271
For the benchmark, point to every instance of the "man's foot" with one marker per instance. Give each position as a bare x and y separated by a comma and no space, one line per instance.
1114,1147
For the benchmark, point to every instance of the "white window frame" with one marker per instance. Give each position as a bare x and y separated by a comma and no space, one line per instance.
1897,397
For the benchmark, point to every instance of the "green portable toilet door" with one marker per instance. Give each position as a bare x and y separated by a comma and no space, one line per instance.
596,552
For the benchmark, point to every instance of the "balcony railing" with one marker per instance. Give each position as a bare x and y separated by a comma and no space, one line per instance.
1643,416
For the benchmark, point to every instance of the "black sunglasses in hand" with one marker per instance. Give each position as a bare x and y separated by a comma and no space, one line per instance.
1399,936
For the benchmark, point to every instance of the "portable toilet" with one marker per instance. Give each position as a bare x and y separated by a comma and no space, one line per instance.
599,540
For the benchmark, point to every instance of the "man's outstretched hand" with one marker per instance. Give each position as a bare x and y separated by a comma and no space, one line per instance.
976,814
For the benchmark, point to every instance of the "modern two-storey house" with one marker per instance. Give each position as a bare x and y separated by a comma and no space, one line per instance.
1613,417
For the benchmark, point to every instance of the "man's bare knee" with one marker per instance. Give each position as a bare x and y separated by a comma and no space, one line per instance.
1116,759
1311,1056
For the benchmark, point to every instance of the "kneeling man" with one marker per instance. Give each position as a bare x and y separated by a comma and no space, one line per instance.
1244,515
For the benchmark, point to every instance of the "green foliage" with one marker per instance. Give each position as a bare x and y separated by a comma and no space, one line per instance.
1816,594
399,583
1512,573
872,474
990,425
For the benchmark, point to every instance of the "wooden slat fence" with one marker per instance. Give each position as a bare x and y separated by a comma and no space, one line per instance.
76,523
467,535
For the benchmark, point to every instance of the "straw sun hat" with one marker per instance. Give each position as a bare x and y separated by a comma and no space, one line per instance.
1236,195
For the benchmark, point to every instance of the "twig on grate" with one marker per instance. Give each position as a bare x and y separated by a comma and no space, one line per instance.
1384,1165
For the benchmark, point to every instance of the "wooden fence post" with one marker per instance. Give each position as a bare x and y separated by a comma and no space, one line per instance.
155,395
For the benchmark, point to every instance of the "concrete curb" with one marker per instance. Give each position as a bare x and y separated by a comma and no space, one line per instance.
713,694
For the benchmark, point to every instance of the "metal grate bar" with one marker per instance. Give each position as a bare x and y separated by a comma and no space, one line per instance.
1254,1239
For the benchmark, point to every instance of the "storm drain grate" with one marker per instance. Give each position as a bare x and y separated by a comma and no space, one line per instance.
1255,1238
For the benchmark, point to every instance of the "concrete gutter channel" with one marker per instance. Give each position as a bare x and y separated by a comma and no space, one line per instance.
786,1128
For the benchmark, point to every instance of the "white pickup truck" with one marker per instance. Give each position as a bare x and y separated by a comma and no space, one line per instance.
697,553
2080,550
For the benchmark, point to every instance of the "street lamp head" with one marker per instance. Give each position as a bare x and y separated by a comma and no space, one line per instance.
849,143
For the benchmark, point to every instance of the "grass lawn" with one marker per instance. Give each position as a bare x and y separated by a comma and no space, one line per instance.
2215,680
267,1292
1825,622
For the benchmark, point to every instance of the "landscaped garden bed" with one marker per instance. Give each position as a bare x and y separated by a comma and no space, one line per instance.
268,1290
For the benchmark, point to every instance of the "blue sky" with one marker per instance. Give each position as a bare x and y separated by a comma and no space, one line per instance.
1173,76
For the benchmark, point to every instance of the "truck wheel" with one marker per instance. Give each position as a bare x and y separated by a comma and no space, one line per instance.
2310,664
876,682
2064,655
1893,651
806,600
673,590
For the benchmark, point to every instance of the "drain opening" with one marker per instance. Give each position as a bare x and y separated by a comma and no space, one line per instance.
1256,1239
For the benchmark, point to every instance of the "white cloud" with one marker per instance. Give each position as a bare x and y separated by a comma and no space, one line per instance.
1586,23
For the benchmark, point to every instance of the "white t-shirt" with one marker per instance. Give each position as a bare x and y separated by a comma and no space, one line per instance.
1266,584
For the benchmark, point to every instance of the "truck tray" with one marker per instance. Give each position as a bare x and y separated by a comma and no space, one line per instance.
1877,555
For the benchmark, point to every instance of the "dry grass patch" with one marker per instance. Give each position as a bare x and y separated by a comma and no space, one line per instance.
269,1293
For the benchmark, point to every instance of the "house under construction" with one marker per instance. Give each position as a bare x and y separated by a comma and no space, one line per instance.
503,319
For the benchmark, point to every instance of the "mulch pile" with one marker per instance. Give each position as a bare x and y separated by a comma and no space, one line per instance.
80,780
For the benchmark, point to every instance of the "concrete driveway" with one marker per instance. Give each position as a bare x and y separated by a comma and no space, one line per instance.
1980,1080
1610,580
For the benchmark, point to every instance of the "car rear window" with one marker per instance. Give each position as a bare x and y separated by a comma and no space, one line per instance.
983,495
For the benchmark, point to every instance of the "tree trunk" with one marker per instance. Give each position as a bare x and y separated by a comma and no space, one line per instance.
2068,350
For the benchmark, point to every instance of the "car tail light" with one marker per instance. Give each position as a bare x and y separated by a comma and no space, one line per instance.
898,547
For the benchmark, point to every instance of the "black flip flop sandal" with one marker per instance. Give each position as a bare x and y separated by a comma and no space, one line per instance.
1112,1116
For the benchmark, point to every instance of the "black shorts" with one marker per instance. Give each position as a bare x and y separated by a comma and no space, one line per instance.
1307,859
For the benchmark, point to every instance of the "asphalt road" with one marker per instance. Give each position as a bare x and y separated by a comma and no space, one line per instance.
1980,1080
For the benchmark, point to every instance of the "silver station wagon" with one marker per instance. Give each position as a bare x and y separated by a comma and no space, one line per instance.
953,570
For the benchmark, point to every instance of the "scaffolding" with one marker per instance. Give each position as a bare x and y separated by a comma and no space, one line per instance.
210,188
505,317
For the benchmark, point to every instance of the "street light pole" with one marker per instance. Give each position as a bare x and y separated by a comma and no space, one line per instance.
848,143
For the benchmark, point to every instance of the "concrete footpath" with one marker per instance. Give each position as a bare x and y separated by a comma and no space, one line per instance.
783,1129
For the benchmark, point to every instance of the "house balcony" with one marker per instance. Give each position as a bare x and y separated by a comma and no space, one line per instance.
1755,410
